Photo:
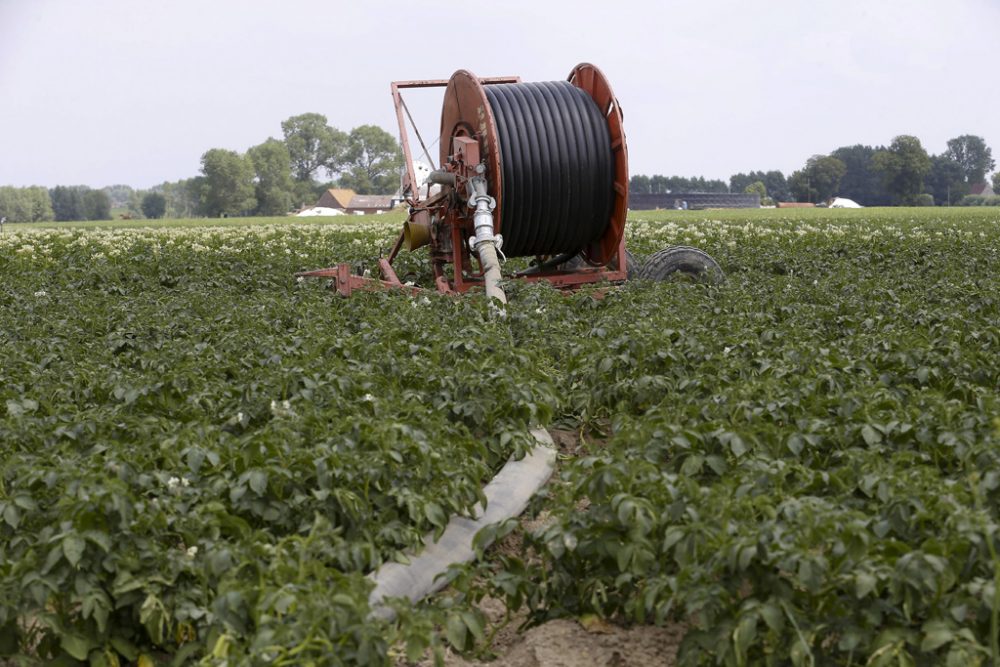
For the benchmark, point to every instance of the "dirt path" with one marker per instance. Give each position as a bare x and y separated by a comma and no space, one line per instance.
566,643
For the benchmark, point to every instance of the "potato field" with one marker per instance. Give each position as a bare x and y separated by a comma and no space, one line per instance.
203,458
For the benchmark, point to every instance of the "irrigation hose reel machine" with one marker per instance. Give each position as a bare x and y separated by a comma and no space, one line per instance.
526,170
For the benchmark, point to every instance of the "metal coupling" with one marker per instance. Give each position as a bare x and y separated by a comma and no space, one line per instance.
482,219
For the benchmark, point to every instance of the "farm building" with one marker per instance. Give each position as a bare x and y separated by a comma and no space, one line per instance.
982,189
350,202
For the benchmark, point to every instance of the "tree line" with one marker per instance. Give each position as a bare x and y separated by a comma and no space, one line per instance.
63,202
270,178
280,174
902,173
660,185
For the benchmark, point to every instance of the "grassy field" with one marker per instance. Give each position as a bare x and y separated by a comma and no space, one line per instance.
202,458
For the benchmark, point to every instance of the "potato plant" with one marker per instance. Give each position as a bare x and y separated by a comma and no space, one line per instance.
202,458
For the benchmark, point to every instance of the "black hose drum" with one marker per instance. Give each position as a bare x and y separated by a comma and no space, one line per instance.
556,160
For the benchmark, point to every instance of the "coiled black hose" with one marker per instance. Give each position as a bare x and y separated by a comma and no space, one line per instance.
558,168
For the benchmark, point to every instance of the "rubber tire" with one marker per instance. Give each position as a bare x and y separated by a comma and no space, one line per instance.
631,264
694,264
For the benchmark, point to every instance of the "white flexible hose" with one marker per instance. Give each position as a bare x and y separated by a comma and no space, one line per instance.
491,271
507,495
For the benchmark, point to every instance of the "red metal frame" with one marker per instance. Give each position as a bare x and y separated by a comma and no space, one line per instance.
397,99
468,138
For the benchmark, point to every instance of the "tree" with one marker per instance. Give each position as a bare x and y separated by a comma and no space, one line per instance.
638,185
25,204
120,195
154,205
312,144
79,202
774,181
819,180
946,181
228,187
777,186
183,197
739,182
134,204
758,188
67,203
273,188
372,160
659,185
96,205
996,183
974,156
798,184
41,205
903,167
861,182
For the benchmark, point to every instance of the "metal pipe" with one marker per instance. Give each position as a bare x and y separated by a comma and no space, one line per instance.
485,243
441,177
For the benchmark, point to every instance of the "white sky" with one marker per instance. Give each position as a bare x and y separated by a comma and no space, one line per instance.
134,91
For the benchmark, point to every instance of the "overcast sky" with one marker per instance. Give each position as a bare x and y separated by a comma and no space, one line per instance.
135,91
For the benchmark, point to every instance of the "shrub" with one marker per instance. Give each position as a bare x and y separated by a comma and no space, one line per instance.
924,199
980,200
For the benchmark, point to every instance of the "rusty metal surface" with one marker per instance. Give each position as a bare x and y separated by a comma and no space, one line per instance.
437,83
409,179
318,273
396,247
385,268
466,112
590,79
409,183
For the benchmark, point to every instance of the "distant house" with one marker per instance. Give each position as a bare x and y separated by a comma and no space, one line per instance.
982,189
350,202
336,198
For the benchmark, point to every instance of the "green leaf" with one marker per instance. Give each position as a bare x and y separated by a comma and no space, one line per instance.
744,635
864,583
474,625
456,631
672,536
99,538
151,615
76,645
258,481
737,446
773,616
747,554
871,436
25,503
12,516
195,458
801,654
936,635
73,546
435,514
126,648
